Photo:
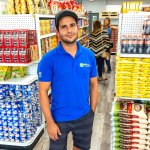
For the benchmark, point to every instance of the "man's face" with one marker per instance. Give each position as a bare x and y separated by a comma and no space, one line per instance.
68,30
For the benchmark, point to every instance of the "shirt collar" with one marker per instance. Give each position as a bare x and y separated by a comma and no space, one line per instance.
62,51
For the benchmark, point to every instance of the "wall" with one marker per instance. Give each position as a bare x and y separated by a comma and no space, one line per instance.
100,5
119,2
96,6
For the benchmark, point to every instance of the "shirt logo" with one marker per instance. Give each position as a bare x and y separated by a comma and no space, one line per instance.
84,65
40,74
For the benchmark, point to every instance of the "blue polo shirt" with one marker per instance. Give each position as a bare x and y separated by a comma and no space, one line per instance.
69,77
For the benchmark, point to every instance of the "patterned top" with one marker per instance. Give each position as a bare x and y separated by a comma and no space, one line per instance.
99,42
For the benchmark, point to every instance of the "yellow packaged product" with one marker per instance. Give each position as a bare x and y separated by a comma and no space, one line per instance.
18,6
5,73
30,6
11,7
18,72
23,7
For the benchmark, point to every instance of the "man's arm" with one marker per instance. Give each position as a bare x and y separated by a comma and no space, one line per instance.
52,127
93,93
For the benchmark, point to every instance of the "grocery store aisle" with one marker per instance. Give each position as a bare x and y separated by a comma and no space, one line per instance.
101,129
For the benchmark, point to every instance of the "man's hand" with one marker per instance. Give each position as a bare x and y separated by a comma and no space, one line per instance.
53,131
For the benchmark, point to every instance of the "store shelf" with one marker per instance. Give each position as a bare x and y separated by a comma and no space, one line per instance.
47,35
135,55
29,145
128,98
18,64
84,26
21,81
115,17
82,37
45,16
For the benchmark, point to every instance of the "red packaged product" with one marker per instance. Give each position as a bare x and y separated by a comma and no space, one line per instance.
7,38
24,55
1,38
15,38
7,55
15,55
24,38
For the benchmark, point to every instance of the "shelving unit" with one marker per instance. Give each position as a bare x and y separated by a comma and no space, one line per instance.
29,145
18,64
131,87
47,35
10,22
20,81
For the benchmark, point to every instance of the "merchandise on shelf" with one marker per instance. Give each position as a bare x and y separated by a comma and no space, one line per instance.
48,44
47,26
130,124
83,22
114,39
146,8
5,73
109,14
15,46
82,32
28,7
131,6
12,72
20,113
84,41
56,6
133,77
135,44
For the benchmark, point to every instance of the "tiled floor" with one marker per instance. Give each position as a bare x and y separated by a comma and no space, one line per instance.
101,129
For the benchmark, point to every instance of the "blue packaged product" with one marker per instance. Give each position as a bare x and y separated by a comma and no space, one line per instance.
16,124
12,88
10,119
24,87
18,91
17,138
7,90
1,135
23,139
11,129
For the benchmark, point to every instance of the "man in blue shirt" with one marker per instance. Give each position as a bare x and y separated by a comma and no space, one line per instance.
70,71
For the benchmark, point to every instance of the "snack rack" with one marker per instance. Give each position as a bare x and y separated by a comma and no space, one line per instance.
10,22
130,86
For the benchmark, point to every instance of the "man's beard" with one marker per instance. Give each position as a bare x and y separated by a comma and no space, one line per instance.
68,41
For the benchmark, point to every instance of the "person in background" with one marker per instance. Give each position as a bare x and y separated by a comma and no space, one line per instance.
70,71
108,28
99,43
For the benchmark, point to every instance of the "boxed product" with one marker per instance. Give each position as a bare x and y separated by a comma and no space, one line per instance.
7,55
15,55
24,55
24,38
7,38
34,52
15,38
